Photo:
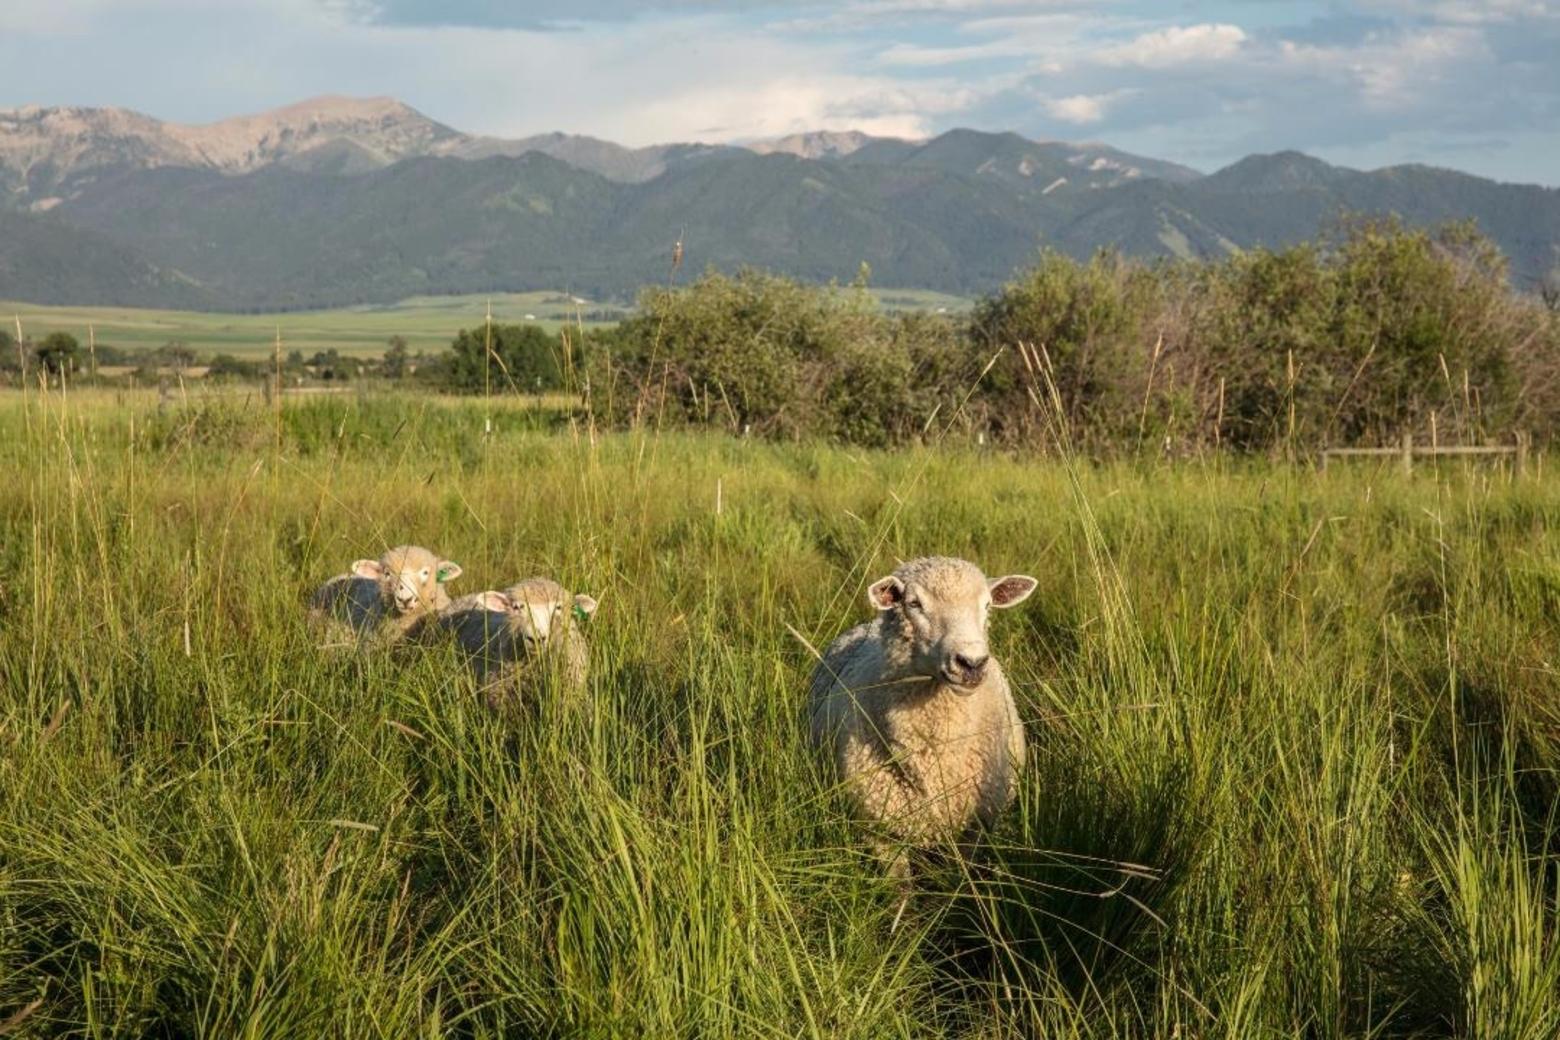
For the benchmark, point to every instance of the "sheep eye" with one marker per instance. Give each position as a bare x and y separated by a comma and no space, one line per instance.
914,604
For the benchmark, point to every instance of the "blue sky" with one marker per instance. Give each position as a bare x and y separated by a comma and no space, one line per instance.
1471,85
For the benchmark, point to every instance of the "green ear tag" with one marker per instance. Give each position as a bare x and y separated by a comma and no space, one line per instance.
579,613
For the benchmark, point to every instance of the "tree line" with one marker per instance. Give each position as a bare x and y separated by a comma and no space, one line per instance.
1373,331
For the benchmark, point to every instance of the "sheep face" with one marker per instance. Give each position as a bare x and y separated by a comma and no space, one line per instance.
939,608
409,577
538,609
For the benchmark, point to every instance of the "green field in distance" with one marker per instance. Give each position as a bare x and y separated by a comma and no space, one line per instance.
427,322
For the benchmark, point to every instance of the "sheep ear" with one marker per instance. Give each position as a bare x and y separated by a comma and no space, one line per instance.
366,569
584,606
497,602
1012,590
886,593
449,570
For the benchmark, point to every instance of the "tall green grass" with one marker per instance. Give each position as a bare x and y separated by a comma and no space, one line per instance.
1293,741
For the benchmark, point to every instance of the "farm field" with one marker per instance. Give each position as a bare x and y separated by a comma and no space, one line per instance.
427,322
1294,739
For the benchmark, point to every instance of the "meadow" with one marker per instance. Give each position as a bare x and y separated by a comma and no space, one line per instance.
427,323
1294,739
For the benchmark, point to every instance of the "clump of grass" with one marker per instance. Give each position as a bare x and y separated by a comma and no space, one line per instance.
1292,771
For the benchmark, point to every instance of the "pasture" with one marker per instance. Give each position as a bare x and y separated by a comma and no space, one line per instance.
428,323
1294,739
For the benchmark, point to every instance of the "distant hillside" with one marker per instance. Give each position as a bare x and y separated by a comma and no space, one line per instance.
338,201
1042,167
46,261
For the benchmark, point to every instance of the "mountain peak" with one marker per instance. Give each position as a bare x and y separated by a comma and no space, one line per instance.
1278,171
345,106
381,130
817,144
53,151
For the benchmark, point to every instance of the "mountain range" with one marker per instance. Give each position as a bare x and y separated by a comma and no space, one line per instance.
344,201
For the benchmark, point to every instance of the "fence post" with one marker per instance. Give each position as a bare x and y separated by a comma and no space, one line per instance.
1408,453
1519,467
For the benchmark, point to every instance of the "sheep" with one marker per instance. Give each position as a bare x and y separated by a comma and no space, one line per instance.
506,634
379,601
915,715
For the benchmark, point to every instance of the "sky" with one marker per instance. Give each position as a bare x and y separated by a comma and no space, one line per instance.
1469,85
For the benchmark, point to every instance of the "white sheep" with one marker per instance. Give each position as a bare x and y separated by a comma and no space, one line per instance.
379,601
915,715
507,635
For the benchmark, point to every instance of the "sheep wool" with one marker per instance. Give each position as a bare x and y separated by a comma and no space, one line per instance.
379,601
915,716
509,636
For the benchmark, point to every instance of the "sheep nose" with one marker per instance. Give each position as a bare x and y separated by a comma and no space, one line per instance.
971,667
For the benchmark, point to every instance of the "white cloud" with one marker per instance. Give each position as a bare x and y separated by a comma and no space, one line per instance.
910,55
670,80
1471,12
786,105
80,17
1177,45
1080,108
1038,37
1390,71
1083,109
860,14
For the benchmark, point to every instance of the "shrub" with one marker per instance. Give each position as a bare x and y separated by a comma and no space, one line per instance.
58,353
226,366
524,359
330,366
1375,330
396,358
1087,321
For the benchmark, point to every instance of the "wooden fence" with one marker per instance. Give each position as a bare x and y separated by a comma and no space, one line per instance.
1407,449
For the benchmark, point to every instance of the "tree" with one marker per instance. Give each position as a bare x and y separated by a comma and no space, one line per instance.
175,354
327,364
226,366
524,358
58,353
112,355
394,366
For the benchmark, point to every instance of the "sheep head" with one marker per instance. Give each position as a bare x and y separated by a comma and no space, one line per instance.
939,607
410,577
538,609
